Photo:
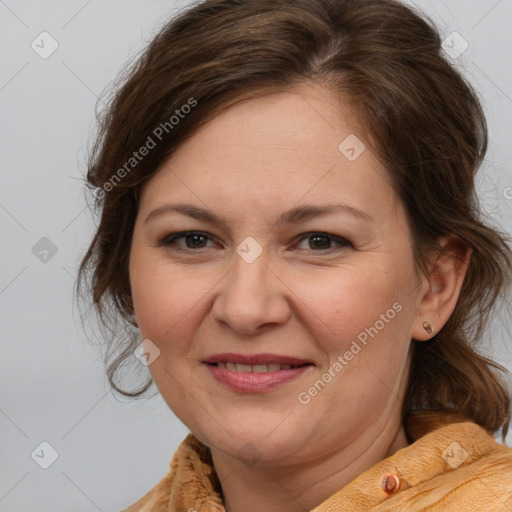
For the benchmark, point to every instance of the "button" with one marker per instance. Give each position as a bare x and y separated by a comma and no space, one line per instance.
390,484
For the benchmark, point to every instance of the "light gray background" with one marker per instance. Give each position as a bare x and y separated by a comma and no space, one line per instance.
111,451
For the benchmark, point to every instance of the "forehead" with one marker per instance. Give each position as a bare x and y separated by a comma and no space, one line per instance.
278,149
306,122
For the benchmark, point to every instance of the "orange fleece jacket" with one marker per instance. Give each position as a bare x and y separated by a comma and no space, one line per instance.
449,467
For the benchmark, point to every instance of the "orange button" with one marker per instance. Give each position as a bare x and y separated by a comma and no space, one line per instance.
391,484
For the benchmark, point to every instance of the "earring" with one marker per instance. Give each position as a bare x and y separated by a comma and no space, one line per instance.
428,327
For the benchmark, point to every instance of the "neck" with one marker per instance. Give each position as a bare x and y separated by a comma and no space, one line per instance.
303,485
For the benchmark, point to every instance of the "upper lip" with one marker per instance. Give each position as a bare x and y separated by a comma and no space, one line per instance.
255,359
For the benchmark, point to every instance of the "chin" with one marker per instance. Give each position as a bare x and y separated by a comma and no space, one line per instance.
250,441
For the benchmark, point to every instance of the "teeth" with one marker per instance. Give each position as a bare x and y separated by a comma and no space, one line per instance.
256,368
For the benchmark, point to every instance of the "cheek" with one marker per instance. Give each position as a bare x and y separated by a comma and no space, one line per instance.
345,306
165,300
360,323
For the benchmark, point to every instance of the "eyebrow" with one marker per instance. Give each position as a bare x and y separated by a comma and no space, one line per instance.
293,216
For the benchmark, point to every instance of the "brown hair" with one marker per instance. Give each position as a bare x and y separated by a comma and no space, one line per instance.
417,112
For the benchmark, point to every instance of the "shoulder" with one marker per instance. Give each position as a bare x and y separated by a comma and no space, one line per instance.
449,467
457,467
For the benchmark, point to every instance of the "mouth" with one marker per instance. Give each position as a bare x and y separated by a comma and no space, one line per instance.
256,368
255,373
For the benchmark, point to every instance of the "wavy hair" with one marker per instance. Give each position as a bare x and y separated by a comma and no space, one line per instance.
420,116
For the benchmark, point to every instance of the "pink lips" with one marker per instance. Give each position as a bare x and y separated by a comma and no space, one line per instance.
255,382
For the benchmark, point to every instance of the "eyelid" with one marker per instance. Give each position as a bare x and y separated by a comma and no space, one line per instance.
341,241
170,239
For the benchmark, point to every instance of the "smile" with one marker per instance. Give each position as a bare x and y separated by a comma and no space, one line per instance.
255,368
255,373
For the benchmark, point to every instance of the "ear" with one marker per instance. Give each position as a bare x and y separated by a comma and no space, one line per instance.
441,287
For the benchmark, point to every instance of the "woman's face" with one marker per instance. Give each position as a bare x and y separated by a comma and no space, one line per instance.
301,255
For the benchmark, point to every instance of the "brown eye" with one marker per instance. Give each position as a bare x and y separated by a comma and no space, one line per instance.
320,242
193,240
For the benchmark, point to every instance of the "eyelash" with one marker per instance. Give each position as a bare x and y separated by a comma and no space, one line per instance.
170,240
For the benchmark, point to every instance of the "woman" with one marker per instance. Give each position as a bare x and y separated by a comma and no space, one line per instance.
289,223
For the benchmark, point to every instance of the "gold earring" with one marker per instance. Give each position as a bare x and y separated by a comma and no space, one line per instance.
428,327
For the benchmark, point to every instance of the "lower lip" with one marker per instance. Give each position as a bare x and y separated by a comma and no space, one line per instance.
252,382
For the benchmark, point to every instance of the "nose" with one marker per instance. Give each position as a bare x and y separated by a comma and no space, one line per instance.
251,296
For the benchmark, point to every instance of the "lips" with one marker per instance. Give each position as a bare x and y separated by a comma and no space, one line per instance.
255,368
255,373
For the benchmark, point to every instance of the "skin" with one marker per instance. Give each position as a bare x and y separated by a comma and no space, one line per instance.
301,297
